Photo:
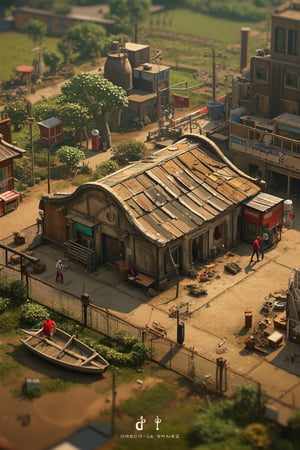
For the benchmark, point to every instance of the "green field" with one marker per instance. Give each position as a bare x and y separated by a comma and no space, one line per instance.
16,49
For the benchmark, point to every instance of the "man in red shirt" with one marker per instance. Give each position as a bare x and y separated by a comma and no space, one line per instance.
255,247
49,328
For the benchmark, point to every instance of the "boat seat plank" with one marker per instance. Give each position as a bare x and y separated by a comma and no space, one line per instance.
66,345
89,359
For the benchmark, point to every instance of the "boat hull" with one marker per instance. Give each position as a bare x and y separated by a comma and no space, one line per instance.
65,350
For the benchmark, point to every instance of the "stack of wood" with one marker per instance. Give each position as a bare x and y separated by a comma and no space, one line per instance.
259,338
232,268
195,290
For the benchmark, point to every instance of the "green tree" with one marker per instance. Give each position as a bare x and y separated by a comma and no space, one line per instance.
71,156
23,170
88,39
52,60
62,7
36,31
133,10
99,96
17,112
75,117
125,13
130,150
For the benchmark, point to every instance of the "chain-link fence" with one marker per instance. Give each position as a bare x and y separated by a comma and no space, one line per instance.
164,351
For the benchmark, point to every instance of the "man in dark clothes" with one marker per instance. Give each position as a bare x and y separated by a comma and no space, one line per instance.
256,248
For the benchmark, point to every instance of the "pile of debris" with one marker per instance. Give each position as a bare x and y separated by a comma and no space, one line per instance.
259,338
195,290
232,268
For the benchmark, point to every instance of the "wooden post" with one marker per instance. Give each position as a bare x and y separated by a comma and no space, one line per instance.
113,403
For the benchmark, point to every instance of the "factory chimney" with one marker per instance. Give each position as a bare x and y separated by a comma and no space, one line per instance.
244,47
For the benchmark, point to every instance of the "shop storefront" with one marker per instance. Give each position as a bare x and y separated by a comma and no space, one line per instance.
262,216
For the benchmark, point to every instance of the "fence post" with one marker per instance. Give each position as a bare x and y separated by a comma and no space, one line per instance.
85,301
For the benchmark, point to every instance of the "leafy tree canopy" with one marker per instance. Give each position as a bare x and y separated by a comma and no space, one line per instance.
73,115
98,95
17,112
133,10
36,30
88,39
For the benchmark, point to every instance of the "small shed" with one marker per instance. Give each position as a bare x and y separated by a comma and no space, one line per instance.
51,131
262,216
9,201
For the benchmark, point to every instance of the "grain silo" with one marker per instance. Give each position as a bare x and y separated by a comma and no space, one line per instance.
117,68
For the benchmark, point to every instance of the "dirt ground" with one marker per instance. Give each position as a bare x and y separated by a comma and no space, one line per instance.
56,415
44,422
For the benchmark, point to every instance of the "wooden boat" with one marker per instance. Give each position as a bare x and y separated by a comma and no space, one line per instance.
65,350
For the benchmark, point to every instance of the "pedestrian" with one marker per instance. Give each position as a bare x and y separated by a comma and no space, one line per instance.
39,223
49,328
59,271
262,244
255,249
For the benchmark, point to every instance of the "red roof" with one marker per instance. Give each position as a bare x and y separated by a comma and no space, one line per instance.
8,196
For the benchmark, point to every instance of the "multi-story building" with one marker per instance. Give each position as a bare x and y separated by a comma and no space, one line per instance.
264,125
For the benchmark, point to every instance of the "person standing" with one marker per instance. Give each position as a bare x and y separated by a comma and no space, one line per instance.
255,249
262,244
49,328
59,271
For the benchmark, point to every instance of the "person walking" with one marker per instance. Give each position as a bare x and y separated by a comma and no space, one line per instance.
59,271
255,249
262,244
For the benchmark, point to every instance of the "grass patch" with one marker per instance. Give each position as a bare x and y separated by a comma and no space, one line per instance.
10,369
17,51
55,385
9,322
150,401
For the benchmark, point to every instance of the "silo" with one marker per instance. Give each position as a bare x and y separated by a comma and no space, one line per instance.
118,70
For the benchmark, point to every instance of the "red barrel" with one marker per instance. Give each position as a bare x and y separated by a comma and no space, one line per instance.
248,319
95,140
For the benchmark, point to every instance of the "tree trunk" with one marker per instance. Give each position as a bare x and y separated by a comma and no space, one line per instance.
102,125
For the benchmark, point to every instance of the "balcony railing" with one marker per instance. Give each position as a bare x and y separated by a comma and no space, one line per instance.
265,145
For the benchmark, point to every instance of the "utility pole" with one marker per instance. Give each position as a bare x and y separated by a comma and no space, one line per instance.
48,168
30,122
213,56
160,115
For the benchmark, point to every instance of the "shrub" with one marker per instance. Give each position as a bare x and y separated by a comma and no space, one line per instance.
105,168
17,292
33,314
130,150
208,428
4,304
71,156
258,435
5,288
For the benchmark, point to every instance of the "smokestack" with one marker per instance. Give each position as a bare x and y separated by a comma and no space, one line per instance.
244,47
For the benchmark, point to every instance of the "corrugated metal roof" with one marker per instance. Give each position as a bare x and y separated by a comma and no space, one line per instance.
263,202
9,151
177,189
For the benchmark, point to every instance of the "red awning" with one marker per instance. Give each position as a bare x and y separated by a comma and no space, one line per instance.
9,196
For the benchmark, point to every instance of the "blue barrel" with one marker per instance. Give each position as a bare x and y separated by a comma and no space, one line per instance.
236,114
216,110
